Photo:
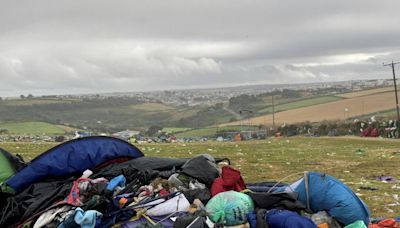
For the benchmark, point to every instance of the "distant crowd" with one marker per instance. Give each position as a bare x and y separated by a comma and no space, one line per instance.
370,128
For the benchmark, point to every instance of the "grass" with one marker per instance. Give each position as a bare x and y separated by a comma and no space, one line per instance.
35,101
34,128
201,132
387,114
366,92
212,130
152,107
172,130
301,103
273,159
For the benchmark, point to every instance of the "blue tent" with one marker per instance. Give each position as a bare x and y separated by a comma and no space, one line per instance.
321,192
72,157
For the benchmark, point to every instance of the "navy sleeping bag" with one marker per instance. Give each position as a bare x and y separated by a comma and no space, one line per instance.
287,219
72,157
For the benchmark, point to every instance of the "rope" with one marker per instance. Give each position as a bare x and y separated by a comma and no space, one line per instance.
280,181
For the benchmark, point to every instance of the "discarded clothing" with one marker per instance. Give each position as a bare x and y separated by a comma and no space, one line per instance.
49,215
84,219
176,204
386,179
116,181
230,180
283,200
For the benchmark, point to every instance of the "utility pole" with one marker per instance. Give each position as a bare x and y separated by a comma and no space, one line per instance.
395,92
273,114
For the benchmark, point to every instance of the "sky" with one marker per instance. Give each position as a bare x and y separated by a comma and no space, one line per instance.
95,46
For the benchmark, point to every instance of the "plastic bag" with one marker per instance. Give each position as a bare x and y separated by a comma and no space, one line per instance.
229,208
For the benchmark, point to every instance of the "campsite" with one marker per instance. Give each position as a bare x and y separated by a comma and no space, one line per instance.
199,114
357,162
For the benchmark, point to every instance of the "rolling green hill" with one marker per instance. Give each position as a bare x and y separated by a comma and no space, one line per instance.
110,114
34,128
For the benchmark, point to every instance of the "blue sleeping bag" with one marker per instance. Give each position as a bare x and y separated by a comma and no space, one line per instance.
326,193
72,157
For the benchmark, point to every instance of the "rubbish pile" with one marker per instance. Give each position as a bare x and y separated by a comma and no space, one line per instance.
107,182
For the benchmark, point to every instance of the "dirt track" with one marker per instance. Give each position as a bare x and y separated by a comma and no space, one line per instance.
356,106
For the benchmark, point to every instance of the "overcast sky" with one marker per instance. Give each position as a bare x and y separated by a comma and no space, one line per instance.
71,46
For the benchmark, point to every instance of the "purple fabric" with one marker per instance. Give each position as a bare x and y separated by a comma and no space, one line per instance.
386,178
168,223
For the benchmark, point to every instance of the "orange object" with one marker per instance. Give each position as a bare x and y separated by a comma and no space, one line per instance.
122,202
323,225
237,137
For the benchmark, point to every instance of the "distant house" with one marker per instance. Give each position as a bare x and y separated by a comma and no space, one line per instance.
81,134
125,134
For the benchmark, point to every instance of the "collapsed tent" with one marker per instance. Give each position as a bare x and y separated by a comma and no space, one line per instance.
9,164
321,192
72,157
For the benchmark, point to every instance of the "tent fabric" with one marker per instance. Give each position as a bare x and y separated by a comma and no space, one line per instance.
6,168
281,200
72,157
9,165
37,197
326,193
147,163
202,169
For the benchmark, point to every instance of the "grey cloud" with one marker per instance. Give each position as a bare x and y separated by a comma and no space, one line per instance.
94,46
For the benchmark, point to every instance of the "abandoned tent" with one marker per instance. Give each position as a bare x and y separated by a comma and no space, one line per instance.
107,182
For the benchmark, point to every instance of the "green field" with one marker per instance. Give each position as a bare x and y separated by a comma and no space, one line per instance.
36,101
34,128
387,114
172,130
355,161
212,131
301,103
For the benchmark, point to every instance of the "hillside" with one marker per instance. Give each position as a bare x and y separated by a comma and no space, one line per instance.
34,128
101,113
357,104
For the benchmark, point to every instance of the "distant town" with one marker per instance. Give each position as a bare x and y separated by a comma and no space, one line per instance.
194,97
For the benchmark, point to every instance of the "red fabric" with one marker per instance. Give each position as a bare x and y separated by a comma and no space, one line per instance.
366,132
112,161
374,133
164,192
230,180
73,197
217,186
386,223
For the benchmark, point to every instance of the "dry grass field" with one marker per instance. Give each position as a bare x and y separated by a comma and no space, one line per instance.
366,92
358,105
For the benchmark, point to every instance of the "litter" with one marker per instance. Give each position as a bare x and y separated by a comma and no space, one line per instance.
106,182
